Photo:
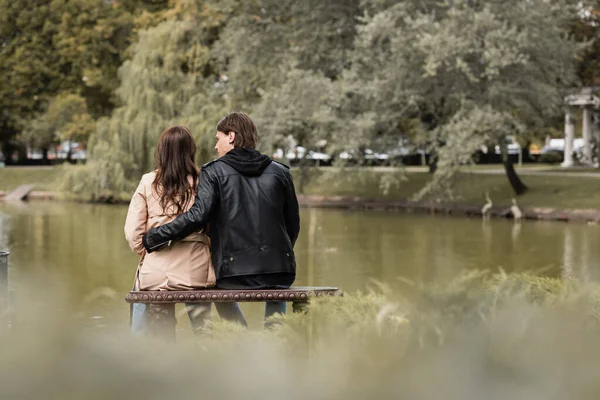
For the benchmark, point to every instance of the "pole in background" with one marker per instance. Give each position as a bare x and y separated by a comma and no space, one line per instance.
4,282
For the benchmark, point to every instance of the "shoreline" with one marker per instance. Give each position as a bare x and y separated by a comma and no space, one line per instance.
34,195
590,215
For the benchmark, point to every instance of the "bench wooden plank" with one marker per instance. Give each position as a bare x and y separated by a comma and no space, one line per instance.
293,294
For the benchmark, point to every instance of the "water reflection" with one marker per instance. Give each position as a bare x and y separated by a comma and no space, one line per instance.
82,248
579,253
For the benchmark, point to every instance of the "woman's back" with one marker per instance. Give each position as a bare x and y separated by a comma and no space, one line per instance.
161,196
157,215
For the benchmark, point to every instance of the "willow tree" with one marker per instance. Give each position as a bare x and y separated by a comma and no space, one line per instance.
470,72
168,81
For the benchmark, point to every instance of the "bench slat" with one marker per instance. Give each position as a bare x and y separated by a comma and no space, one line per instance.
294,294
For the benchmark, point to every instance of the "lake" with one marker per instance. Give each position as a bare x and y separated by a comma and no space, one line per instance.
76,256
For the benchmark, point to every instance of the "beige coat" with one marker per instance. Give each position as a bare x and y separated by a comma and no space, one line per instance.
183,265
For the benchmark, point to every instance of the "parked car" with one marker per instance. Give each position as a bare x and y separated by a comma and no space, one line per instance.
558,146
79,155
408,156
293,157
369,156
512,147
554,150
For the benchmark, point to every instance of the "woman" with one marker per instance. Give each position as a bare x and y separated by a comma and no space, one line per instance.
160,197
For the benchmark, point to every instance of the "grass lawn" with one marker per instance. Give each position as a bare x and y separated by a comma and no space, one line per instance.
574,170
569,191
527,166
42,177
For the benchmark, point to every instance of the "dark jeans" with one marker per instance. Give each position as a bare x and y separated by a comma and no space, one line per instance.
200,313
231,312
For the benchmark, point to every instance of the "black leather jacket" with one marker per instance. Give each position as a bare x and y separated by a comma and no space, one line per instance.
251,205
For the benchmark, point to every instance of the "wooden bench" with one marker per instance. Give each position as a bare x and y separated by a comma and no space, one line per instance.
157,324
299,296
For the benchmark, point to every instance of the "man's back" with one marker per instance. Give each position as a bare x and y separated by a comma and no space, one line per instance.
256,222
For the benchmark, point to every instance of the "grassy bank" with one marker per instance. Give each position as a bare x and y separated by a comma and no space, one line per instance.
44,178
557,190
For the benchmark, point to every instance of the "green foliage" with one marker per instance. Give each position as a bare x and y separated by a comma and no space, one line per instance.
39,133
303,106
170,78
92,39
27,60
471,72
446,75
103,178
477,336
67,118
57,46
551,158
587,30
264,39
162,85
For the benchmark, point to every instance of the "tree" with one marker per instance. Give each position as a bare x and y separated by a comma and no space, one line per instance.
54,46
68,114
471,72
39,134
586,28
169,80
267,38
66,119
304,107
28,64
91,42
301,107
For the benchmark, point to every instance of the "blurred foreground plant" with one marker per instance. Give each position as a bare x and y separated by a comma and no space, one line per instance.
478,336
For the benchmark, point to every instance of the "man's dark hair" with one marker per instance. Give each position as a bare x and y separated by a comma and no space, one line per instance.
244,128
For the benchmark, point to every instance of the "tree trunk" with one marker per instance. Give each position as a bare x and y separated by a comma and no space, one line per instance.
514,180
525,153
304,173
70,154
434,155
596,131
45,156
433,160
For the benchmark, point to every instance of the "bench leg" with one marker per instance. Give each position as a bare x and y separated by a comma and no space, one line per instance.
272,308
161,321
300,306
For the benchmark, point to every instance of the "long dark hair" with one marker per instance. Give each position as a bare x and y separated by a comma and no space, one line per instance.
175,155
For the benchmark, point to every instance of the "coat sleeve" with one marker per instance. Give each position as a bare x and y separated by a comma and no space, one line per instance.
136,221
191,221
292,213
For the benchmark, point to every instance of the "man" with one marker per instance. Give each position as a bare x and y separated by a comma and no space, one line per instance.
251,205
